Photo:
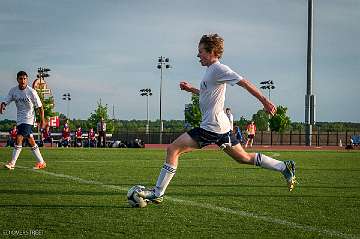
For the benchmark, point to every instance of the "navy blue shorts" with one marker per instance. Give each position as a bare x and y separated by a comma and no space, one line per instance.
204,138
25,130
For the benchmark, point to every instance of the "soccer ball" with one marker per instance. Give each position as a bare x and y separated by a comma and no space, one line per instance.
133,197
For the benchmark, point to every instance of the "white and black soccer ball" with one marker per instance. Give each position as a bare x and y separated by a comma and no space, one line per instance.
133,197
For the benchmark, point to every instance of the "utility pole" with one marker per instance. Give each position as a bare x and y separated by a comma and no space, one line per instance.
146,92
309,97
162,63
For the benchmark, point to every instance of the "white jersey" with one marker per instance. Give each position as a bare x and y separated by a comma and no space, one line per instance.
212,97
25,101
231,120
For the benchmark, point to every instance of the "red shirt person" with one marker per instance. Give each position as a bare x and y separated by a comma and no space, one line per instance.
13,133
91,134
65,140
12,137
91,138
251,130
78,133
78,136
46,135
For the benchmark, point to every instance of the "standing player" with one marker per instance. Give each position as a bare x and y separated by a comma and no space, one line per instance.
251,130
101,130
230,117
215,126
26,98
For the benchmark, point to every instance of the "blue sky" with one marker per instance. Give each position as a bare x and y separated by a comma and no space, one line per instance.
109,49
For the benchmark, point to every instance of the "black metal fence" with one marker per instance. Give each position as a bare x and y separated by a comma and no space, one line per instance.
261,138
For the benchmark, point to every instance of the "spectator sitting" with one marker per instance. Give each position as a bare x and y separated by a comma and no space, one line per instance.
12,137
137,143
78,137
92,138
66,138
46,136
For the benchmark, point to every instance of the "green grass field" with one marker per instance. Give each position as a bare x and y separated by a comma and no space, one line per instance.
82,194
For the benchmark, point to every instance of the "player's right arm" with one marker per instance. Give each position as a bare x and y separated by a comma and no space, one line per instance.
188,87
7,101
9,98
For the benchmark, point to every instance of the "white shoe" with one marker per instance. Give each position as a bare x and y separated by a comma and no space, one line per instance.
150,195
9,166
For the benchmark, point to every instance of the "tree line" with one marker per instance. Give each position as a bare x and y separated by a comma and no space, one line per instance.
180,125
279,123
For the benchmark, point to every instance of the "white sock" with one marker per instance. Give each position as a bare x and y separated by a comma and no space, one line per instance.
36,152
264,161
166,174
16,153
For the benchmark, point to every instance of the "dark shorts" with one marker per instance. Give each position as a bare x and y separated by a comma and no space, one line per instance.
251,136
25,130
204,137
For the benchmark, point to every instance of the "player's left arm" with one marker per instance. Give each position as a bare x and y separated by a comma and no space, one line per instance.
251,88
42,118
39,107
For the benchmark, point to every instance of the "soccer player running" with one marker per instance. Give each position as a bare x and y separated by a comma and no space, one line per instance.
25,99
215,127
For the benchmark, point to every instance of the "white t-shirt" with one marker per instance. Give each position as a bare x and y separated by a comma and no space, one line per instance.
231,119
25,101
99,128
212,97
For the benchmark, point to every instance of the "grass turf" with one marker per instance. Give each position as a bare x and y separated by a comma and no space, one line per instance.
82,195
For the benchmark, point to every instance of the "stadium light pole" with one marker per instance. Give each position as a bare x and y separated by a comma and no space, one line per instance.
267,85
309,97
146,92
163,62
67,97
41,75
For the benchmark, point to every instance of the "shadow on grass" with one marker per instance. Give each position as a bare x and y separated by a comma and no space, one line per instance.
57,206
239,186
59,193
242,195
332,169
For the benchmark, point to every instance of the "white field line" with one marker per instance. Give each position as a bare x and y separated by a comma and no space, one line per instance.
225,210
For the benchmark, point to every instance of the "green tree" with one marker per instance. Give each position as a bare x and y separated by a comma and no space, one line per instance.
261,119
48,106
280,121
6,125
193,113
101,112
297,126
242,123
